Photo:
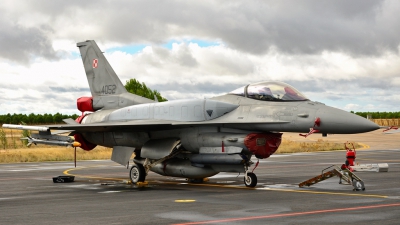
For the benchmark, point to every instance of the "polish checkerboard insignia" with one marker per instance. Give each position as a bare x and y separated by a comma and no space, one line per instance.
95,63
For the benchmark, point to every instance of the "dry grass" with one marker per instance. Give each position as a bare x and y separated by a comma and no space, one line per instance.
16,151
289,146
14,141
52,154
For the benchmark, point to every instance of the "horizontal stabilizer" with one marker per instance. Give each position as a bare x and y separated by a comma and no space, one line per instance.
70,121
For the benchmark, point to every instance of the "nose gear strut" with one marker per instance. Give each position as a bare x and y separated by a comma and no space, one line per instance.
250,179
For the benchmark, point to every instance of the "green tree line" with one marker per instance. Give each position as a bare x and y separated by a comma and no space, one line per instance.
135,87
35,118
379,115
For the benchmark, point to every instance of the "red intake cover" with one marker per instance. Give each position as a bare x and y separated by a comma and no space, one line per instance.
85,104
85,145
263,144
80,118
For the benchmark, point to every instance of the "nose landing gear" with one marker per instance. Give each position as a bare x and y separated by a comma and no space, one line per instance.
250,179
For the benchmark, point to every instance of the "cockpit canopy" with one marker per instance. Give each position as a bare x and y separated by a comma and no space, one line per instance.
270,91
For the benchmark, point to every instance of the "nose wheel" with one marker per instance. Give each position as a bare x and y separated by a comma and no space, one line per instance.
250,179
137,173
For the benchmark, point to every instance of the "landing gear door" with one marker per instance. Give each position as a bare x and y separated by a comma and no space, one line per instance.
122,154
158,148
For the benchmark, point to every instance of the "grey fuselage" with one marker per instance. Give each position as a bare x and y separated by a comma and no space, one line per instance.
236,114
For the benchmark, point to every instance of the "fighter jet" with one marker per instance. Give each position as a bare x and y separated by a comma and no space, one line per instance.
191,138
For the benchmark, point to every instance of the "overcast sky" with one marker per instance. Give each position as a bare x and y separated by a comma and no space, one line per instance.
343,53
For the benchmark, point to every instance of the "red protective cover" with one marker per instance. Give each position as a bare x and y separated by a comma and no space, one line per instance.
85,145
85,104
80,118
263,144
351,156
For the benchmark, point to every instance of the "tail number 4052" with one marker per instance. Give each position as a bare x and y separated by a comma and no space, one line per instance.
108,89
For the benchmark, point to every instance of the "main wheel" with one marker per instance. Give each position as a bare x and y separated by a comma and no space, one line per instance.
137,174
251,180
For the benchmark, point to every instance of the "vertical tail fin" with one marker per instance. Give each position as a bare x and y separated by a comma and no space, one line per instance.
107,89
102,79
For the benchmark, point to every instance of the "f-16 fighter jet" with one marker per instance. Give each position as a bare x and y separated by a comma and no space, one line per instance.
193,138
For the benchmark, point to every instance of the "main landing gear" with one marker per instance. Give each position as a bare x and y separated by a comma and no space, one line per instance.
137,174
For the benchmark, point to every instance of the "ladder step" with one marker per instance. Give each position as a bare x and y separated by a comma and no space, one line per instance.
317,179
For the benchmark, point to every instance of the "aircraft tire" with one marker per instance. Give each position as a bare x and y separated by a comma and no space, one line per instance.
251,180
137,173
358,185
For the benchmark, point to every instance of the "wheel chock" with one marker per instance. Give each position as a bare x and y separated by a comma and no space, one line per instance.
63,179
127,182
142,184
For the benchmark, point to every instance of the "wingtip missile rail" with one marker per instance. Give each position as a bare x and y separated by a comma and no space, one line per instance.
23,127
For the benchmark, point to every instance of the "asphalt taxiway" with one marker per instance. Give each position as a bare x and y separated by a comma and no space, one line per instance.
101,195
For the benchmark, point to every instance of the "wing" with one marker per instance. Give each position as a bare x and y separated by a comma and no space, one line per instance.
150,125
136,126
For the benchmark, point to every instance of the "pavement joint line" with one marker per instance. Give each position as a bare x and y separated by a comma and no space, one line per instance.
326,193
291,214
66,172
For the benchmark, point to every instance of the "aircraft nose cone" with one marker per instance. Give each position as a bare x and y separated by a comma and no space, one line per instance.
337,121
